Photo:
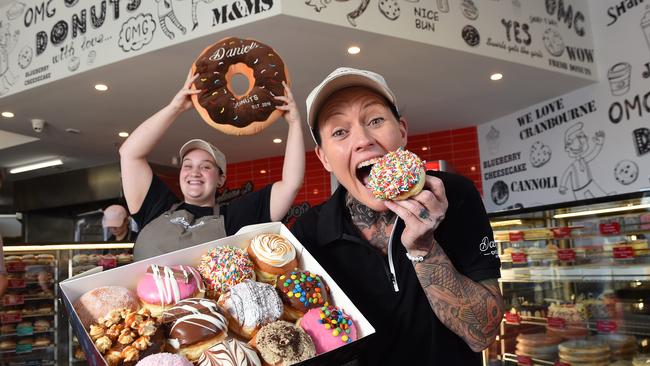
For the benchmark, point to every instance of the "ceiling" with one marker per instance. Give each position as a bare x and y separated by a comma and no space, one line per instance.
437,89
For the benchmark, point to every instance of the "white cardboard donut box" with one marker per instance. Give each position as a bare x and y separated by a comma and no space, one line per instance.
129,275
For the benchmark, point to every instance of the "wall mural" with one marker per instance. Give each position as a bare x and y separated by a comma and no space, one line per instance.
589,143
46,40
550,34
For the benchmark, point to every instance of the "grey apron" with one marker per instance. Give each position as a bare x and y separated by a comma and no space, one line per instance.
174,230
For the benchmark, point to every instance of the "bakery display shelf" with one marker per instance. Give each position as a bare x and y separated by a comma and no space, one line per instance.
34,349
32,363
623,326
51,330
37,315
38,298
513,358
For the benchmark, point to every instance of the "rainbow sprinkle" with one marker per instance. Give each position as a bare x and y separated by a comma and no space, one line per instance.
339,322
224,267
395,173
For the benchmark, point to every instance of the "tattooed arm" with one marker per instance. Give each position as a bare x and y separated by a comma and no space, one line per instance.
471,310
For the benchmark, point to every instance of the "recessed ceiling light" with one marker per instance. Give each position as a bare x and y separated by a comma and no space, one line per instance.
123,134
277,141
425,148
262,171
7,114
472,168
354,50
101,87
496,76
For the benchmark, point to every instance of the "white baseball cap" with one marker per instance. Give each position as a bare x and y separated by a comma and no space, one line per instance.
341,78
114,216
219,157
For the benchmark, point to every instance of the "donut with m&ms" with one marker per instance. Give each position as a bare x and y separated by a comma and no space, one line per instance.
224,108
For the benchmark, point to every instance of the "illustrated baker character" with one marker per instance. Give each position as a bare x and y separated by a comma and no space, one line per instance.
578,174
169,224
442,306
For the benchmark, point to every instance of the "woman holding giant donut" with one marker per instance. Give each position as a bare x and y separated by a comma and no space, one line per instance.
170,224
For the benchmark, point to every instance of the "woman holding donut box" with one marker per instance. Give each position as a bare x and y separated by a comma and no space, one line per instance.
169,224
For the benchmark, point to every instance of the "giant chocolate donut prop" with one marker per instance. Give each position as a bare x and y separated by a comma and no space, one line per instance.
219,105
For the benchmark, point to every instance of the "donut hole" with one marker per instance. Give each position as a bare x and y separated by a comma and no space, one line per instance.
240,80
239,84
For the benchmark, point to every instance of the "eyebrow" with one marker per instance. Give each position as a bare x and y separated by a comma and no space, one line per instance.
201,162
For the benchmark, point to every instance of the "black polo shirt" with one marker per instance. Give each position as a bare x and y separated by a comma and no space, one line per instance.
407,329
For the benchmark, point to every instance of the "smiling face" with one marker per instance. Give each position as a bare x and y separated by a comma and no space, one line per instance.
356,126
200,178
577,145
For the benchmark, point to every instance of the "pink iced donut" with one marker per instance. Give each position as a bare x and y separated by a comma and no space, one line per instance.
164,359
329,327
162,286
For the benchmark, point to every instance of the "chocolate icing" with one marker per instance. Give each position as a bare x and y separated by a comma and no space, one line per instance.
224,107
293,282
193,320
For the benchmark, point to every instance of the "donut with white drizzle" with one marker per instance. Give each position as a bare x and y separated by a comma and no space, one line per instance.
162,286
193,326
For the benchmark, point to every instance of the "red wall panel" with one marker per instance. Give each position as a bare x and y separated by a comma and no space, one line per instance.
458,147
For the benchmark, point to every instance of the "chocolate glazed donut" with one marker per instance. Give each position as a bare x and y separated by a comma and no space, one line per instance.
219,105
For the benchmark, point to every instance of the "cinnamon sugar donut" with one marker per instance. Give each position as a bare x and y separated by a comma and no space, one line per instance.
219,105
98,302
397,175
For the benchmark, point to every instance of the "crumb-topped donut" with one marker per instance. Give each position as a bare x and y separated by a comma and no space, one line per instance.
219,105
397,175
272,255
301,291
283,343
223,267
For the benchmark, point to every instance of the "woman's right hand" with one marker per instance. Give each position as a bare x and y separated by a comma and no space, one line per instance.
182,101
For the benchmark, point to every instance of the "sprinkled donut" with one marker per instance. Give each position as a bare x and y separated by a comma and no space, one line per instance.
223,267
397,175
219,105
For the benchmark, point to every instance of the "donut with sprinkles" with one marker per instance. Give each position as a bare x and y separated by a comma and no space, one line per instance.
219,104
397,175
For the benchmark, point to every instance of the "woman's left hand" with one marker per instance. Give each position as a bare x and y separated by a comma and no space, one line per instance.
422,214
291,113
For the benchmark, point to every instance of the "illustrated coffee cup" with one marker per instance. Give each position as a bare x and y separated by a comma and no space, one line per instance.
619,78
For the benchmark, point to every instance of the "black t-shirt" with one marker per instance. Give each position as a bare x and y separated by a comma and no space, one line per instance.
252,208
407,329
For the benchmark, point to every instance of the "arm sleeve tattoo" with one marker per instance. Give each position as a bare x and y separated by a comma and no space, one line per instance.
470,309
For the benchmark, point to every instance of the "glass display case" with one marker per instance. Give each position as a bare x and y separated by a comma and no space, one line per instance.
576,284
33,329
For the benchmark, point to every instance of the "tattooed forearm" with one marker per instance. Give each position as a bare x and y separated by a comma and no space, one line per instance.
471,310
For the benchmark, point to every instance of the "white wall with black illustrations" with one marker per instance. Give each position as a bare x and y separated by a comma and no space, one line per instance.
46,40
589,143
549,34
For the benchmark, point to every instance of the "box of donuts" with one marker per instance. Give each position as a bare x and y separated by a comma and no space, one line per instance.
254,298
